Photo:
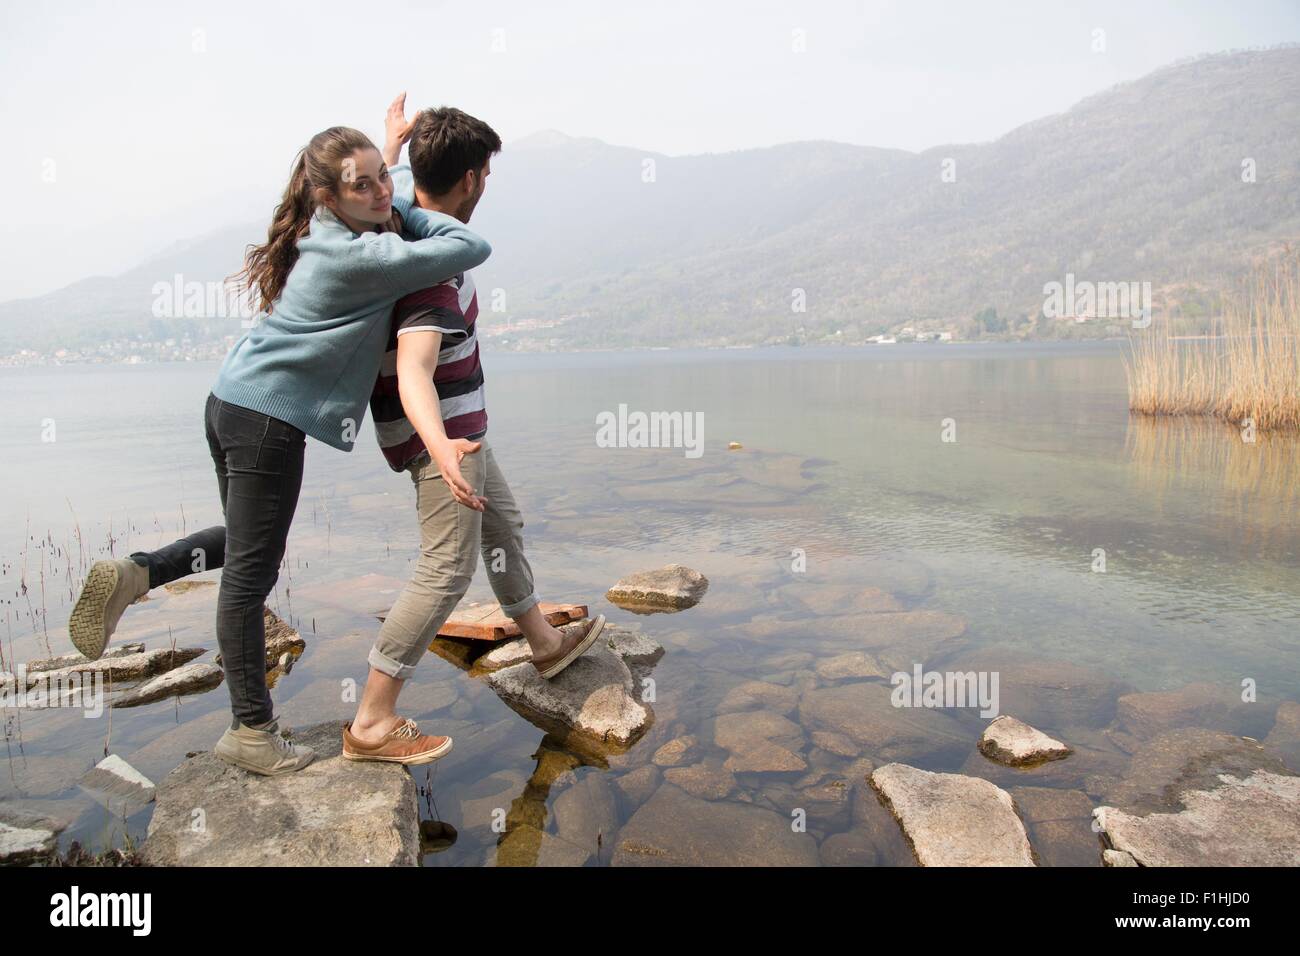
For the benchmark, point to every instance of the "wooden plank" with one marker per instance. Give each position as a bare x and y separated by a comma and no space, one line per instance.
485,622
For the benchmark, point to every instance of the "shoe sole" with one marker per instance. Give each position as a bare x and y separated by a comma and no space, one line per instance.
429,756
253,768
578,650
86,623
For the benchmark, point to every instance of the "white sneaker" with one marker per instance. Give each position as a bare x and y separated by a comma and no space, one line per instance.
262,751
110,587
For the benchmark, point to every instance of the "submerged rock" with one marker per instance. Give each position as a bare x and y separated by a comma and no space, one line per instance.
864,713
1045,693
526,845
674,828
670,588
677,751
637,785
709,780
852,664
1216,707
193,678
757,694
1016,744
760,742
1244,822
1059,824
586,814
333,812
1179,760
848,849
1284,737
952,820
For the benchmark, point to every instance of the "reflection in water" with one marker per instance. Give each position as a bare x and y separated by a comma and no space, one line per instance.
1254,484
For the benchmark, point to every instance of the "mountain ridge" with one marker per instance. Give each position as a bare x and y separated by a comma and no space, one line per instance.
612,246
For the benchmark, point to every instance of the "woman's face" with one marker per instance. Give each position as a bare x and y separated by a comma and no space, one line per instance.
364,194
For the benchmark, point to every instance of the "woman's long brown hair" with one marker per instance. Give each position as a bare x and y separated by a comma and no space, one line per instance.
319,167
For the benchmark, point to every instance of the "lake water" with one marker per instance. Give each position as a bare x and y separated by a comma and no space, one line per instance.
1000,500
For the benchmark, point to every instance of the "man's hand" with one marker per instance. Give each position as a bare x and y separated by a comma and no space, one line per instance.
447,456
396,130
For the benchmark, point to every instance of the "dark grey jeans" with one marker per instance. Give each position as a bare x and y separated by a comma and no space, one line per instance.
259,462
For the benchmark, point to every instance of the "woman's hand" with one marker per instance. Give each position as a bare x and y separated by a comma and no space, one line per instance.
447,457
396,130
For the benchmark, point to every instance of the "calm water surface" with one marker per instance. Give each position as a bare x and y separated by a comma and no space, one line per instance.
844,464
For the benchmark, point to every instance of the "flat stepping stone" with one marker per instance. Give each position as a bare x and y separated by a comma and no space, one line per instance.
1016,744
670,588
487,622
333,812
1245,822
954,820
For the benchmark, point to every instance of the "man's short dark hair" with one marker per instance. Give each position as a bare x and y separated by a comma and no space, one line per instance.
445,143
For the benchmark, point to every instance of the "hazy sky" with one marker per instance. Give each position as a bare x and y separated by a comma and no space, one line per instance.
132,125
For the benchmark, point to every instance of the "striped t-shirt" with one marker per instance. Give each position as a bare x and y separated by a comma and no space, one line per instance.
451,308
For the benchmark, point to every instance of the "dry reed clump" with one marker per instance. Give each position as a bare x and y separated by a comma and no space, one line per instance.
1249,371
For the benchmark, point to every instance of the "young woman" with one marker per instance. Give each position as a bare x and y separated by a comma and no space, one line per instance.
327,277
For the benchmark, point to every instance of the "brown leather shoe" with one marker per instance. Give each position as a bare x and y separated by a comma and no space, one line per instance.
576,640
403,744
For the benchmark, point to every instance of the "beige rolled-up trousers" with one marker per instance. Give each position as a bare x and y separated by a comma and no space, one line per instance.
452,537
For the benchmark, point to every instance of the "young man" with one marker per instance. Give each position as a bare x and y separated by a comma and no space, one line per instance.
431,420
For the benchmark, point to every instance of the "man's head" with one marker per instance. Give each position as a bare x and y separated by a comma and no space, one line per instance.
450,158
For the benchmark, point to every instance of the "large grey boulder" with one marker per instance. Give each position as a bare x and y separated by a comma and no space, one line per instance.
1253,821
954,820
595,696
333,812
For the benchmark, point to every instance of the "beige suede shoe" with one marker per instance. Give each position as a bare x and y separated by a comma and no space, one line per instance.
262,751
110,587
575,643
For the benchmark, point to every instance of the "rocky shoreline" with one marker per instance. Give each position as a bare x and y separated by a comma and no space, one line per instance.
802,756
